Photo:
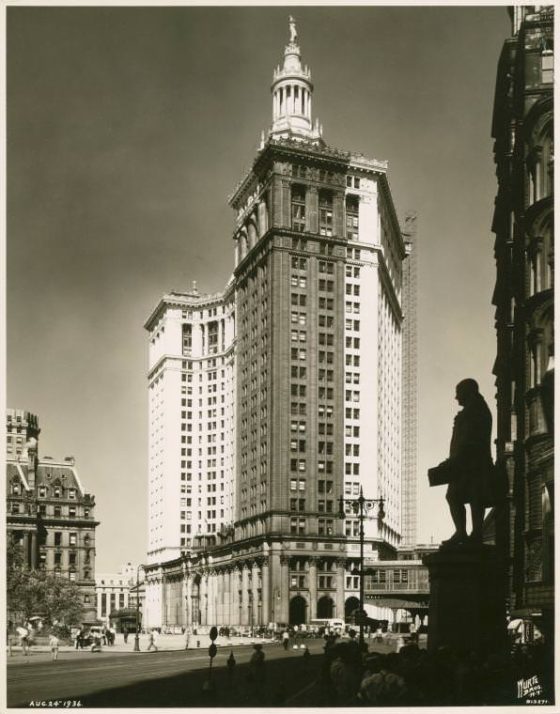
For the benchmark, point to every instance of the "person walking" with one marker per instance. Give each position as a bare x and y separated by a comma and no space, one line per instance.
152,641
125,634
23,633
285,640
187,638
53,644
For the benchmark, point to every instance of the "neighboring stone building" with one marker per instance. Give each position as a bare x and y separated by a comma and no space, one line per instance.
48,511
524,300
116,595
270,401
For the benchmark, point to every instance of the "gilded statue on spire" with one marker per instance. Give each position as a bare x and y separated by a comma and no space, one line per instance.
293,31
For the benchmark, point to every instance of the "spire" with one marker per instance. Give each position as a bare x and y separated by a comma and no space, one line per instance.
291,96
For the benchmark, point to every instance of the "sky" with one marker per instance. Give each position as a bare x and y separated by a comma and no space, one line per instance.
127,130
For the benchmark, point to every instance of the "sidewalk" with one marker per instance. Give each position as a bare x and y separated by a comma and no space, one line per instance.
164,643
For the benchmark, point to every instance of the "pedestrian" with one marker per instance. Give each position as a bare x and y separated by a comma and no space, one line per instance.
79,639
53,644
257,668
96,642
111,636
152,641
285,639
125,634
230,666
23,633
187,638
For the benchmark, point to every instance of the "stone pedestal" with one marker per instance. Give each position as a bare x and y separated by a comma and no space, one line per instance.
467,599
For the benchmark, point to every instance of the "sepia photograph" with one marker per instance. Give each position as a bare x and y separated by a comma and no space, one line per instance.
279,348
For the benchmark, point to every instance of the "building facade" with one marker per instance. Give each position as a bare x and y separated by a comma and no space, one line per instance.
311,360
191,384
48,510
117,592
524,301
409,419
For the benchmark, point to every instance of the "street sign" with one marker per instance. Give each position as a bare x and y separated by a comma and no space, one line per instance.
212,650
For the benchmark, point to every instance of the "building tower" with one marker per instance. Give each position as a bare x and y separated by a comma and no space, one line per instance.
522,128
191,384
316,349
410,385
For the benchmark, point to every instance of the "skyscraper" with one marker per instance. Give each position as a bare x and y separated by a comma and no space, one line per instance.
523,125
410,385
314,351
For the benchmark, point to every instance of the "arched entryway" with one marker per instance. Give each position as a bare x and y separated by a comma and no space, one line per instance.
351,608
298,608
325,607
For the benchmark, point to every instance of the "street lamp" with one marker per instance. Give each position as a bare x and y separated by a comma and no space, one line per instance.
137,635
362,506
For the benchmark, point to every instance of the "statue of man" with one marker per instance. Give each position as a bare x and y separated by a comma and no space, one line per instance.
470,462
293,31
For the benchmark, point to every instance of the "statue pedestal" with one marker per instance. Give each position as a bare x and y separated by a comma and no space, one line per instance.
467,599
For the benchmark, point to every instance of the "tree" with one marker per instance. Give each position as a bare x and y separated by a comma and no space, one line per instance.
36,592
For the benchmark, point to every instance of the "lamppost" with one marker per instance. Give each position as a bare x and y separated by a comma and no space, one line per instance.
362,506
137,635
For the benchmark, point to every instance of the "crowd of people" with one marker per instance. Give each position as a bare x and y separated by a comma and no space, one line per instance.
418,677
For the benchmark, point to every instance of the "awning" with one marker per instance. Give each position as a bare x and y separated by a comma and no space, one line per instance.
527,612
396,604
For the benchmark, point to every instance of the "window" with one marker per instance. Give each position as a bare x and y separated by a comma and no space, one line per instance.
325,213
298,208
73,538
352,218
57,511
297,525
72,511
42,492
58,538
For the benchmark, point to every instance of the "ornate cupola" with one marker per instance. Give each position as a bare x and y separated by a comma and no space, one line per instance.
291,96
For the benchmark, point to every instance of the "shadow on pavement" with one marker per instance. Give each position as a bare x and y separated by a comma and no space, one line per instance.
286,682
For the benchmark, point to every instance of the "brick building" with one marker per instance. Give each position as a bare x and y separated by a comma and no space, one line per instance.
524,301
48,510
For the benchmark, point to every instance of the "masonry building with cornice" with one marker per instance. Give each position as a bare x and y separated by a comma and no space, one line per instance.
270,401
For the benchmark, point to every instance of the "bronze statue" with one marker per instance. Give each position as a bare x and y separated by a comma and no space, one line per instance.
470,466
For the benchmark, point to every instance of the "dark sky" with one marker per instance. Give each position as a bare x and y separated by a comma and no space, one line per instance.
127,129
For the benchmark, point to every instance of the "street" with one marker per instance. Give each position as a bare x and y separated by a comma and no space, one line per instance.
150,679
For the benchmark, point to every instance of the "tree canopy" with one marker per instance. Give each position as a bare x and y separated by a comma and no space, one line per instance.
38,593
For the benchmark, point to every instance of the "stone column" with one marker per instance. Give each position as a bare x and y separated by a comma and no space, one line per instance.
338,214
312,209
255,584
284,589
210,598
188,603
339,598
244,594
275,586
203,599
312,588
266,614
25,545
234,581
34,551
